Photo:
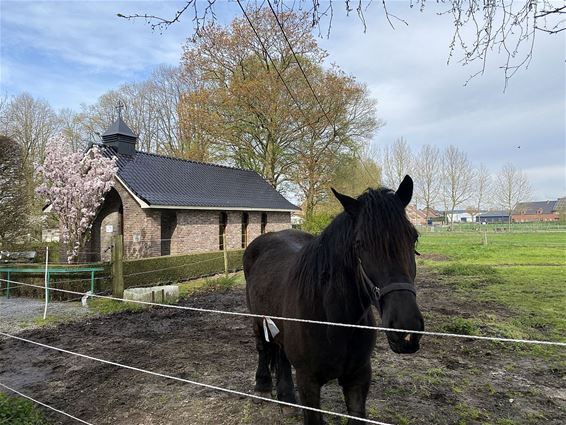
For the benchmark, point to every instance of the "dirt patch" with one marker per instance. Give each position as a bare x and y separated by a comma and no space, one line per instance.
447,382
434,257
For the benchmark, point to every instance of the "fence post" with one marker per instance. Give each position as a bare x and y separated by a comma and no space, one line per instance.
485,237
225,254
46,281
117,266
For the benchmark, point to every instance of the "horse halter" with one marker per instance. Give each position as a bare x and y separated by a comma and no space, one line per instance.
377,292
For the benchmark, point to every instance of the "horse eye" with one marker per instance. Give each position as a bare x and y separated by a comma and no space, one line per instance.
417,252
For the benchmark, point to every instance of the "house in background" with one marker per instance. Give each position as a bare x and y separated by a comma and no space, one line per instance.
458,216
526,212
493,217
416,216
168,206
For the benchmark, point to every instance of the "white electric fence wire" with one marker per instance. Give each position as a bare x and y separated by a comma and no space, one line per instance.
188,381
44,405
314,322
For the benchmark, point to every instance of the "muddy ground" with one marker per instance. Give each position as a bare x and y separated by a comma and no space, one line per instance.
448,381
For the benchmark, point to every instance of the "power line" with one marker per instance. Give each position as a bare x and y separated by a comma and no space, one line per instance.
266,51
299,64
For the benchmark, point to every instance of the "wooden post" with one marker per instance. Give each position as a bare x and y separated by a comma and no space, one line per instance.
485,237
117,266
225,254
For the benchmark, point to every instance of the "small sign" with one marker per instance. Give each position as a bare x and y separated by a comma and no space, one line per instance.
137,237
109,228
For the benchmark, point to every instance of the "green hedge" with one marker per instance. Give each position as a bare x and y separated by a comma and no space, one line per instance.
143,272
149,271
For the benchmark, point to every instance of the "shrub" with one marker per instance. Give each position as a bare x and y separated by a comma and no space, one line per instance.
317,222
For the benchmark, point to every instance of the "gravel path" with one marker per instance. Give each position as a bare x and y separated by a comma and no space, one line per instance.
17,313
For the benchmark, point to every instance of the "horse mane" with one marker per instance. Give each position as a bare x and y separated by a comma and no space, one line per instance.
383,228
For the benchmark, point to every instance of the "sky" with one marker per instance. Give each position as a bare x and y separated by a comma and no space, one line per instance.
70,53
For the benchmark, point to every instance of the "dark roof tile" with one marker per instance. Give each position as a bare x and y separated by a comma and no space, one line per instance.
165,181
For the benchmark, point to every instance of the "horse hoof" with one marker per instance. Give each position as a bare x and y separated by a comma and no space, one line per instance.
289,411
264,394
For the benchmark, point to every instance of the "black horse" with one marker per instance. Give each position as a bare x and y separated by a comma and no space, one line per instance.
365,256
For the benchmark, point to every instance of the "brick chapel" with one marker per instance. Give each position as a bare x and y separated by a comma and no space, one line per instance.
169,206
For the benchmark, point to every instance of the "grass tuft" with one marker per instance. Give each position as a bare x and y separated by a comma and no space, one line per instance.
18,411
459,325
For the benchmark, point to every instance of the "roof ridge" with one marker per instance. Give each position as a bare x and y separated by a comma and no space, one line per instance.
196,162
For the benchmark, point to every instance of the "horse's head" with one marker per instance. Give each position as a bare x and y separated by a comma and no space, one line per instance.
384,246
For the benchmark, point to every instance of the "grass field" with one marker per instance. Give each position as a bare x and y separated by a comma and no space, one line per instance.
525,272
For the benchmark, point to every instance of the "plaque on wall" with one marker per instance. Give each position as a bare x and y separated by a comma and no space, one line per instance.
109,228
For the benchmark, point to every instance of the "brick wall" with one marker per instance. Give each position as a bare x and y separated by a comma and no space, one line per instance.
528,218
193,230
141,228
278,221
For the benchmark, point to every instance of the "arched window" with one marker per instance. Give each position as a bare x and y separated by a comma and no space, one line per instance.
263,222
222,223
245,222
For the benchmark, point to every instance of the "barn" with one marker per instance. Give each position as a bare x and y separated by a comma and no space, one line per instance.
169,206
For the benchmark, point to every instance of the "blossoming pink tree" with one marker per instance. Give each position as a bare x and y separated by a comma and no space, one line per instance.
75,184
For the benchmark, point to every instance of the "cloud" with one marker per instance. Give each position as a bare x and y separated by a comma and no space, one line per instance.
424,100
72,52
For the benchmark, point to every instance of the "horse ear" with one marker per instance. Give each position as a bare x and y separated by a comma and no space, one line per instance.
405,190
351,205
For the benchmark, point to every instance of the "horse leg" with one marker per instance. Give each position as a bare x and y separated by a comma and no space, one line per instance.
355,389
266,351
285,386
309,392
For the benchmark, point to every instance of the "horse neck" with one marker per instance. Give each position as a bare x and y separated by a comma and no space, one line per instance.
341,269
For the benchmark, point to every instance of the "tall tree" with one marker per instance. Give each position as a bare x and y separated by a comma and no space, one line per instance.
13,202
30,123
252,105
427,179
511,186
397,162
458,179
482,187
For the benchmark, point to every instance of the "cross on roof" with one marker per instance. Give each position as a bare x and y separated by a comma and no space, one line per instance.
119,106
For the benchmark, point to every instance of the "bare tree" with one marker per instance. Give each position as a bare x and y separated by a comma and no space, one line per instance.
397,161
458,179
427,178
30,123
72,129
482,188
511,186
481,28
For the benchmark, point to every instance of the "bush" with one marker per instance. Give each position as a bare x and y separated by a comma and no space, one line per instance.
317,222
18,411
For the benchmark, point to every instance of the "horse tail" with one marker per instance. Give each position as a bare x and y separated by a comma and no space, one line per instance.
274,354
